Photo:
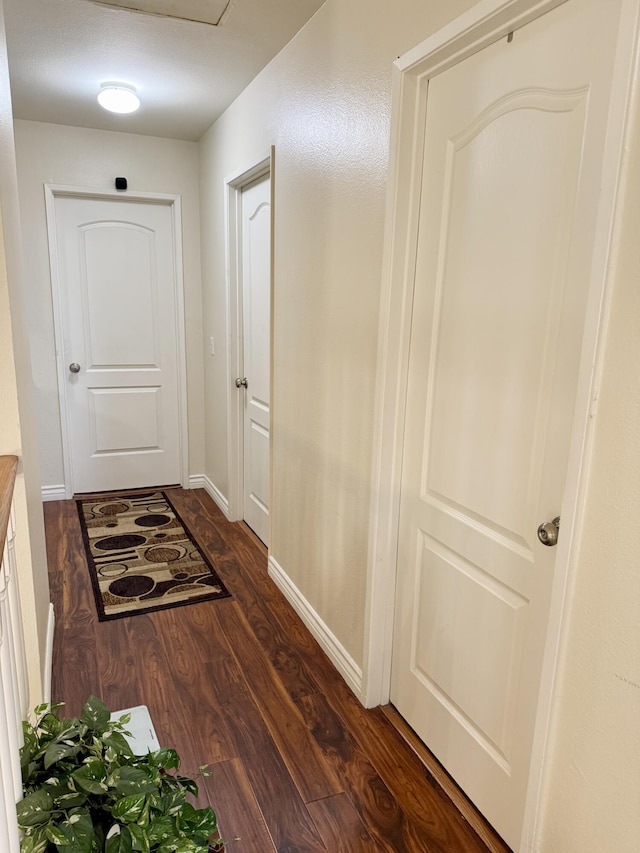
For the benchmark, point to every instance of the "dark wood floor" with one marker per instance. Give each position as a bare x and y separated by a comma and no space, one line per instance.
298,764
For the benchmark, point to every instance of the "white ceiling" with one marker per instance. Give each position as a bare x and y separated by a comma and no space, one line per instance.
186,73
205,11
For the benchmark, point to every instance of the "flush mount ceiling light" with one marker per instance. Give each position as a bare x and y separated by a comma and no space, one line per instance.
118,98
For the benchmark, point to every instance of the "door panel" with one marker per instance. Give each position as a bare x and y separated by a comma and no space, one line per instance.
115,255
511,169
116,265
256,308
121,419
495,333
455,598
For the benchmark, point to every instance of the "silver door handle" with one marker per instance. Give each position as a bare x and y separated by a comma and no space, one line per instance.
548,532
74,367
241,383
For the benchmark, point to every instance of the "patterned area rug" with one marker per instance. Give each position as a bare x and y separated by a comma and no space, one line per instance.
142,557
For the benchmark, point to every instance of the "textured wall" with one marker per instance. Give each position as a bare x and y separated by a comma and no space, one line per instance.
17,422
10,439
92,158
324,102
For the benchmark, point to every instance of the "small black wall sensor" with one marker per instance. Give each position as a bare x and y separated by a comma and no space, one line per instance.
121,183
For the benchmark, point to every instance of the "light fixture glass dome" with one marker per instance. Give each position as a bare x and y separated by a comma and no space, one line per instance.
118,98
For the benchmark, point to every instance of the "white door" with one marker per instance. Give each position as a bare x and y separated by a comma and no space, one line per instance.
256,323
511,173
115,264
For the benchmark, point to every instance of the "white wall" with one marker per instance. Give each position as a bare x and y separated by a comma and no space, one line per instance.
17,423
48,153
324,102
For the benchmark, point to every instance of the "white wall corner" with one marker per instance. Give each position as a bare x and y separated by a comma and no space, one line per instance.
48,655
329,643
55,493
201,481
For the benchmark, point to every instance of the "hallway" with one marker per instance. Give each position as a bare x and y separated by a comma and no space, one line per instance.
298,764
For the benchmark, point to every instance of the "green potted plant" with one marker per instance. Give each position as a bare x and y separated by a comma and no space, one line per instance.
86,792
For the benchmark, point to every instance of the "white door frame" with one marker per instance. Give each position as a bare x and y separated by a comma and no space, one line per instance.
233,186
485,23
53,191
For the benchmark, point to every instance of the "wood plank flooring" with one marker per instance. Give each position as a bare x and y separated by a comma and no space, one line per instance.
298,764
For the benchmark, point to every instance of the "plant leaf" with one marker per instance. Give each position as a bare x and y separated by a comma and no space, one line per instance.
173,802
184,845
71,730
78,830
160,829
166,758
71,800
57,751
144,818
139,838
129,809
118,840
95,714
34,809
204,820
35,843
189,785
26,765
118,742
91,777
50,724
186,816
131,780
56,836
28,845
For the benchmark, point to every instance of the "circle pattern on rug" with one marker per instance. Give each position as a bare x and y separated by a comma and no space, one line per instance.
158,506
132,586
113,570
152,520
164,553
113,509
115,543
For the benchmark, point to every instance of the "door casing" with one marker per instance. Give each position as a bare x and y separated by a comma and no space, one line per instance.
233,186
487,22
174,202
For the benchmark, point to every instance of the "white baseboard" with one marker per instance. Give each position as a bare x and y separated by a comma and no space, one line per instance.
48,655
329,643
54,493
201,481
